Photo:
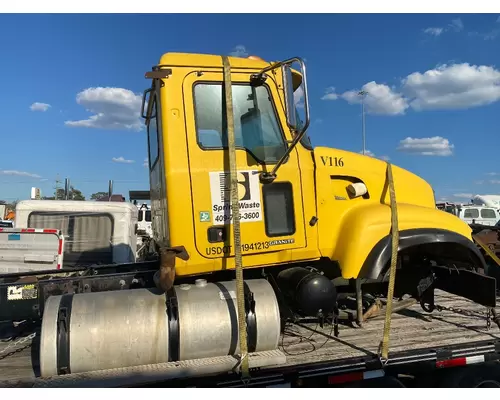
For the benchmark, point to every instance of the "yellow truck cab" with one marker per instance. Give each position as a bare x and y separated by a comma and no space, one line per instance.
237,191
320,208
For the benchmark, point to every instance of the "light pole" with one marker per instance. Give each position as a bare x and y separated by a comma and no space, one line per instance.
363,93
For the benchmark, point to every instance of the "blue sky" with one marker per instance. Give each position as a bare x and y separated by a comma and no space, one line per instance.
433,81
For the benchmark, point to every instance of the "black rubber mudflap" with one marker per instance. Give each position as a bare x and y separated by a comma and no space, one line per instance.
479,288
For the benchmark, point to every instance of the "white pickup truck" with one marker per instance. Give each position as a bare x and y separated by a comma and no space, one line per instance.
478,214
95,232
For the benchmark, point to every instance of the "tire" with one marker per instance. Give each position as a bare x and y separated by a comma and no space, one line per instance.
385,382
486,376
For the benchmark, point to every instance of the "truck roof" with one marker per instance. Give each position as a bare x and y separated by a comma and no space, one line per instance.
71,205
193,60
208,60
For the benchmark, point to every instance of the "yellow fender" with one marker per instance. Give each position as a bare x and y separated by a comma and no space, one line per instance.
363,247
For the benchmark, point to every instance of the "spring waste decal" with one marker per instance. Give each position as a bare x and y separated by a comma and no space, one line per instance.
248,194
22,292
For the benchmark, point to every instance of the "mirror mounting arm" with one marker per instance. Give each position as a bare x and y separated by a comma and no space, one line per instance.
258,79
268,177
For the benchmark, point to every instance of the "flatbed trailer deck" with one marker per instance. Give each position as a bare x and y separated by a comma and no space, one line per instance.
417,338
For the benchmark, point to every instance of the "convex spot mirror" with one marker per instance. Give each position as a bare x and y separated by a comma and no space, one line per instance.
290,110
293,72
294,88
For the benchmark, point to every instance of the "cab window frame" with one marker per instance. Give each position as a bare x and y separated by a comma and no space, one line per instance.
154,115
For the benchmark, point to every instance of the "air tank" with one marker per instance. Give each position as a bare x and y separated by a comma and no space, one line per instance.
308,293
95,331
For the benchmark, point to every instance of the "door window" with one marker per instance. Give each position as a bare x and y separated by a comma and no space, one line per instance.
153,136
256,126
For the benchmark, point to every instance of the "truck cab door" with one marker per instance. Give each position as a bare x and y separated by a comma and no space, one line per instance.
272,216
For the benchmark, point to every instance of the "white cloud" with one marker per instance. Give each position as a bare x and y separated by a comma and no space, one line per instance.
372,154
239,51
40,107
18,173
492,173
380,99
434,31
113,108
446,87
454,86
463,195
330,94
495,181
122,160
491,34
434,146
456,24
146,162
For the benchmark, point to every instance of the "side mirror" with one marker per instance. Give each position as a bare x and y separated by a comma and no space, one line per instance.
147,109
291,115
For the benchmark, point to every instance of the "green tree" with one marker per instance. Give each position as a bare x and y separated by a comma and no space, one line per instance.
11,205
74,194
98,195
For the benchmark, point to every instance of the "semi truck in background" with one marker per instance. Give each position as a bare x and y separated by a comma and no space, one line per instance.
95,232
260,241
65,234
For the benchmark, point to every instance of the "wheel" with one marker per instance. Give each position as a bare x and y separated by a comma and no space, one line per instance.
384,382
486,376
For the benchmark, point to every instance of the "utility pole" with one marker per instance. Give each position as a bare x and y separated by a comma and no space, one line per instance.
363,93
110,189
56,187
67,187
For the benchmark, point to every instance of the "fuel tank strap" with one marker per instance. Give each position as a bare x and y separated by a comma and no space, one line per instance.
63,334
251,319
173,325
